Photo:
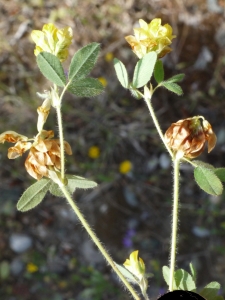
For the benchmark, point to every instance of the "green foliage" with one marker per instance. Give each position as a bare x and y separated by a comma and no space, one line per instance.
51,67
127,274
175,78
208,181
121,73
182,279
83,61
144,69
193,272
33,195
173,87
86,87
74,182
159,71
210,291
220,173
199,163
4,270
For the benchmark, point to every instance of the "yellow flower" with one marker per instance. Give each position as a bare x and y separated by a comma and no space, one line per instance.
31,268
188,137
109,57
103,81
151,37
53,40
135,265
125,167
94,152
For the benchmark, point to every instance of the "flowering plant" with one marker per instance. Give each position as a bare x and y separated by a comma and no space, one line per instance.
184,140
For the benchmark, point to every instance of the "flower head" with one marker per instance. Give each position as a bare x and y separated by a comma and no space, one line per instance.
94,152
188,137
31,268
125,167
135,265
151,37
44,156
53,40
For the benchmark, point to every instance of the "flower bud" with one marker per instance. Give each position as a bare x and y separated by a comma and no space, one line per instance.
187,137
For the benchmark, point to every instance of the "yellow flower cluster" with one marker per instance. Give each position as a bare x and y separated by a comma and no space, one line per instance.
151,37
53,40
94,152
125,167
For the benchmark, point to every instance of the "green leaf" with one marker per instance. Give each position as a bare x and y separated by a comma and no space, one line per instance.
86,87
220,173
51,67
144,69
173,87
184,281
193,272
83,61
176,78
80,182
208,181
73,183
134,92
166,275
33,195
127,274
4,269
159,71
121,73
203,164
210,291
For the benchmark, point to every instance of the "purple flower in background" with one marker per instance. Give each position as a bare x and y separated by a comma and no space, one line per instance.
127,239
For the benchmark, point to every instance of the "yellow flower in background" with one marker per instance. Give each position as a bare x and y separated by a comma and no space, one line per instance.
125,167
31,268
135,265
151,37
103,81
53,40
109,57
94,152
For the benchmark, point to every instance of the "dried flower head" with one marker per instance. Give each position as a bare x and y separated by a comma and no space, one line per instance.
187,137
45,155
53,40
151,37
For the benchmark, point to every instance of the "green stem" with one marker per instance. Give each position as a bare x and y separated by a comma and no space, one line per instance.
176,163
61,139
156,123
97,242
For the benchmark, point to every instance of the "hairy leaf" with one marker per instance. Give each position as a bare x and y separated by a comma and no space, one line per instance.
86,87
210,291
176,78
173,87
51,67
159,71
144,69
34,195
83,61
127,274
208,181
220,173
203,164
121,73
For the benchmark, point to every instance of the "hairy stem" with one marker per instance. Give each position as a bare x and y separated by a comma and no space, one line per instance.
156,123
61,139
97,242
176,163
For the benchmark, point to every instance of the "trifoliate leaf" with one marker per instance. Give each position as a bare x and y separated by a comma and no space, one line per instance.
210,291
51,67
144,69
34,195
80,182
220,173
208,181
166,276
83,61
159,71
121,73
173,87
86,87
193,272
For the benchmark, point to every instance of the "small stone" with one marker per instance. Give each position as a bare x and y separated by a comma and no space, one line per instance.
16,266
20,242
164,161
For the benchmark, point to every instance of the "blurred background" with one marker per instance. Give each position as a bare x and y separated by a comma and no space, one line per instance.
45,253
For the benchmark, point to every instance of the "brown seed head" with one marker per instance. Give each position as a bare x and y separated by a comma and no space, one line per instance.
188,136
